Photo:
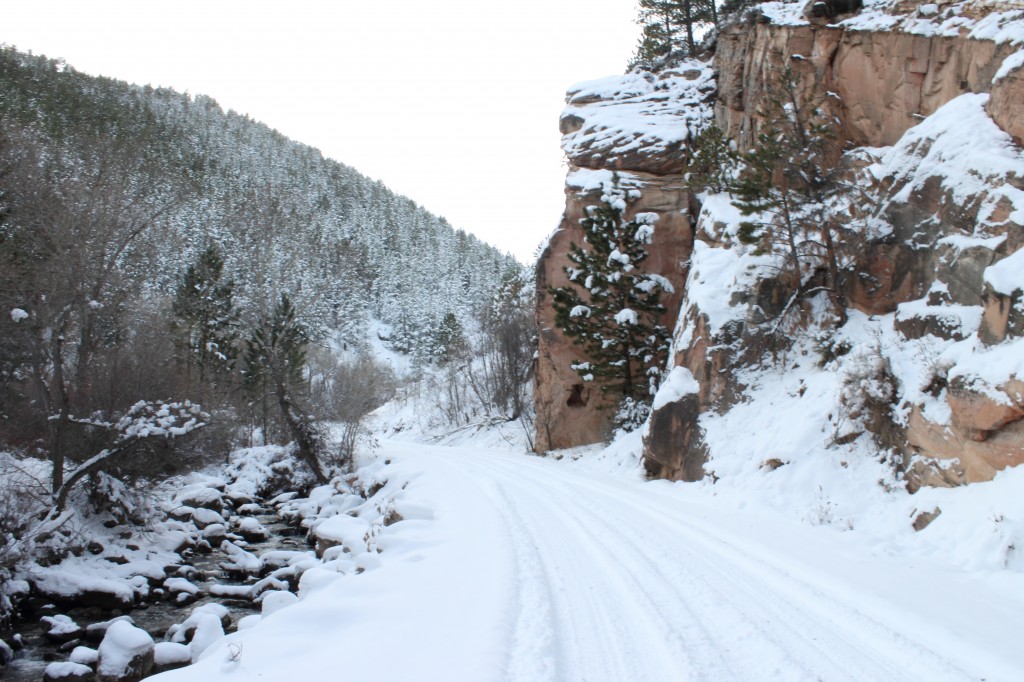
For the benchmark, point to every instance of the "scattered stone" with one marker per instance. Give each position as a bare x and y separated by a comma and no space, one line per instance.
922,520
94,547
249,509
6,652
772,464
68,672
125,654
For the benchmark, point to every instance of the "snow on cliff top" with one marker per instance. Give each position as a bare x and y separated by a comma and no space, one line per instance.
639,111
1001,21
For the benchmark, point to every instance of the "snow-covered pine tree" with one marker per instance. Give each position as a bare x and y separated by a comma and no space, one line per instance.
669,26
275,362
205,320
786,182
611,307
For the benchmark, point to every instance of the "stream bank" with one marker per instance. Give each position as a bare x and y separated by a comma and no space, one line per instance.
236,555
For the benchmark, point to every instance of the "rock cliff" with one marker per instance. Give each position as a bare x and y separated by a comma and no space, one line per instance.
924,367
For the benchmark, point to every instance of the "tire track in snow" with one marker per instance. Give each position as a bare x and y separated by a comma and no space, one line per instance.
575,600
724,606
532,653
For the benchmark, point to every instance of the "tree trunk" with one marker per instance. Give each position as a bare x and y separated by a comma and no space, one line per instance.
303,433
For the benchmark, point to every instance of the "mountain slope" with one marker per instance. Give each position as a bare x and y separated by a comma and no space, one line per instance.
286,218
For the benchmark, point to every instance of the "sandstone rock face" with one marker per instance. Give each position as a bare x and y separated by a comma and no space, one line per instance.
958,459
672,444
979,413
636,126
1007,95
886,81
569,412
931,239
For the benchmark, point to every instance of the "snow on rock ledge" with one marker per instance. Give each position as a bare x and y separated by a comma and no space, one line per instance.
638,121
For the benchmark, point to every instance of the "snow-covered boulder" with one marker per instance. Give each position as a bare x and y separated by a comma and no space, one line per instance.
68,586
239,561
272,602
67,672
203,517
214,534
61,628
171,655
83,655
347,531
94,632
207,631
251,530
181,590
201,496
126,654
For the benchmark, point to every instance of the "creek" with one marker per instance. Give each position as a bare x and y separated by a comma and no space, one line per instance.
154,615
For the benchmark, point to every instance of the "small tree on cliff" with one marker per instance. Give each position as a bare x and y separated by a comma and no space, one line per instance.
668,26
611,308
786,183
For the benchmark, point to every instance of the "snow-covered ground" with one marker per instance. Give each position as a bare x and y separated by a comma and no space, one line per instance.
513,567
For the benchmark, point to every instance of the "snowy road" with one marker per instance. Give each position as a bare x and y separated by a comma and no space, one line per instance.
522,569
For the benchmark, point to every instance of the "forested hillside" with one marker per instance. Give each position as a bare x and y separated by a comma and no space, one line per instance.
155,248
345,247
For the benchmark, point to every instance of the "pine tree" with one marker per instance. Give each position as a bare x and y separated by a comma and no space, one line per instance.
450,339
712,161
206,322
611,308
787,179
668,26
275,361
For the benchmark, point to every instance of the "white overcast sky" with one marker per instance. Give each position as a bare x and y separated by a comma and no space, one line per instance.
453,103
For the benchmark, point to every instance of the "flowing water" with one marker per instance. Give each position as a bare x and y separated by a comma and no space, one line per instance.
155,617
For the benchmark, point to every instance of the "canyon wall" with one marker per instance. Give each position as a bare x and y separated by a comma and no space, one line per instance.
927,102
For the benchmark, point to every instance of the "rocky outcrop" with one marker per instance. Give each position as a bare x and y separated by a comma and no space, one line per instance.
922,362
880,83
635,126
1007,94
